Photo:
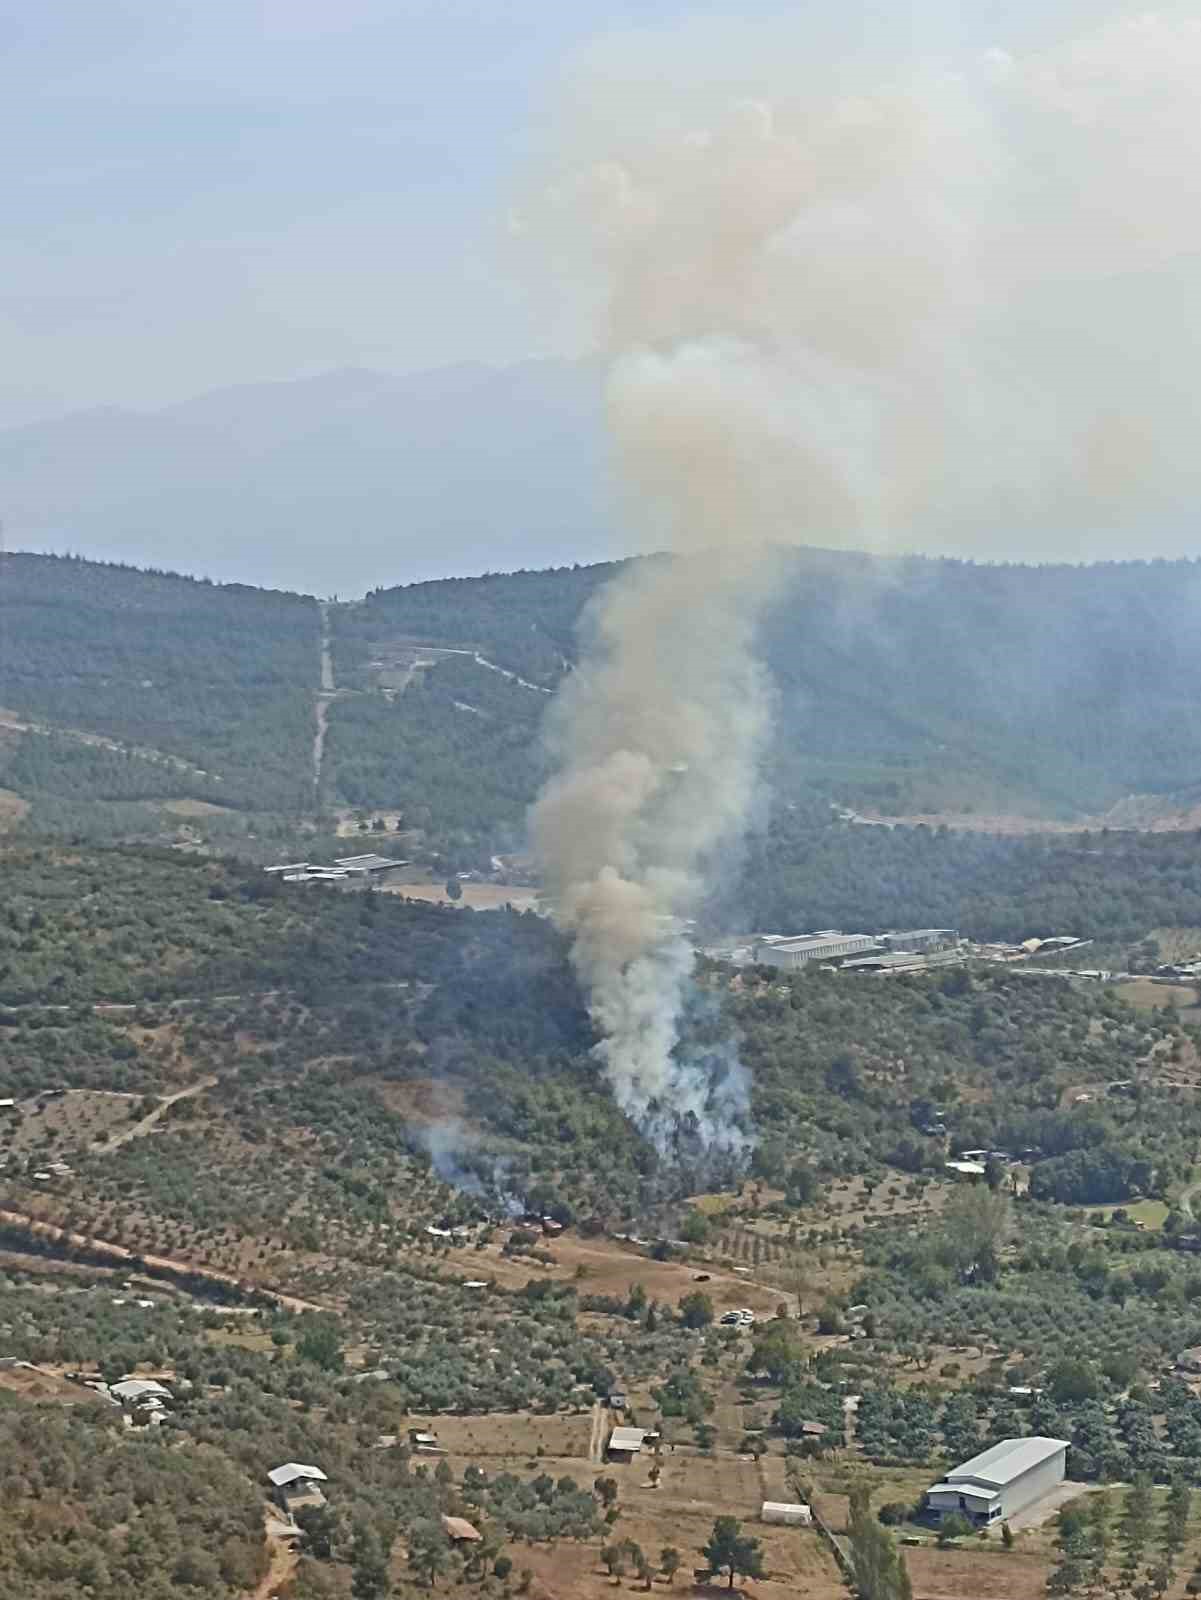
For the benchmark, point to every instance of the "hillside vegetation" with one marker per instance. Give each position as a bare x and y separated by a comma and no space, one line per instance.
259,1109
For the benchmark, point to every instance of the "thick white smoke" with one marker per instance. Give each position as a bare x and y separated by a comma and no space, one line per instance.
947,305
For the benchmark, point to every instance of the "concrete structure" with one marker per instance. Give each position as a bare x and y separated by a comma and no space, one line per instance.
917,941
625,1443
1000,1481
773,950
791,1514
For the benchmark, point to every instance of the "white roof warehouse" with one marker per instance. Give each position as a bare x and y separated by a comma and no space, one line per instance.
1001,1481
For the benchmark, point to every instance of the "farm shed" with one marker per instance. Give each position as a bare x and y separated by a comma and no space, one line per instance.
625,1443
139,1392
297,1485
792,1515
1000,1481
460,1531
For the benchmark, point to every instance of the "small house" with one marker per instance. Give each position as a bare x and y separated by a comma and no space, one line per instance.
297,1485
140,1393
460,1531
814,1430
618,1400
625,1444
792,1514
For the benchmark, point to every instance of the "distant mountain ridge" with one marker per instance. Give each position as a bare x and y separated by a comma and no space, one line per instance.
329,484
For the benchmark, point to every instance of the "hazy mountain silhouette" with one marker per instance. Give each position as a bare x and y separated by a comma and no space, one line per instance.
328,484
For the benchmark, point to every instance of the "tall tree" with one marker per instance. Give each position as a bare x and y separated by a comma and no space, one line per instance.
731,1551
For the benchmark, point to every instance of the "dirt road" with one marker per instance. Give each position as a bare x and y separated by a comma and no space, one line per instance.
282,1562
137,1129
325,693
596,1439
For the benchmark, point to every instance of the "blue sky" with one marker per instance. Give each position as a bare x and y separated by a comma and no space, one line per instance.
202,192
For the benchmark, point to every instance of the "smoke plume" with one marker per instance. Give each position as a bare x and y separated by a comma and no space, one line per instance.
932,303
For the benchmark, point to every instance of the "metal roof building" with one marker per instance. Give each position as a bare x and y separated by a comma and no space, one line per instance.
774,951
626,1441
1001,1481
295,1472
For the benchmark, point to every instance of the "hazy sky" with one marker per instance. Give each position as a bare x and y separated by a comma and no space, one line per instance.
202,192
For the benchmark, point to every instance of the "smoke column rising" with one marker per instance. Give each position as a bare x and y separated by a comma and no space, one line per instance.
929,303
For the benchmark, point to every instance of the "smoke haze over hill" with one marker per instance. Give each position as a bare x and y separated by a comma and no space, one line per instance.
899,301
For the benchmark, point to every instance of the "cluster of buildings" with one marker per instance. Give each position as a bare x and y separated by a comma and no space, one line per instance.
880,952
346,869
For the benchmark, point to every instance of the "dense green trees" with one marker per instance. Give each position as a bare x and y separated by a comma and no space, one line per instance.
219,677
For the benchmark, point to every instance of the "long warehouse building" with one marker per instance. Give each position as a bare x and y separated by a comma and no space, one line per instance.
1001,1481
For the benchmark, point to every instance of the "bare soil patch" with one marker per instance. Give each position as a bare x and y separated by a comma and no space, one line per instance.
516,1437
43,1387
610,1269
992,1574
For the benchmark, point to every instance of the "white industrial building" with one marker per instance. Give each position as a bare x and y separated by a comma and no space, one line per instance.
916,941
776,950
1001,1481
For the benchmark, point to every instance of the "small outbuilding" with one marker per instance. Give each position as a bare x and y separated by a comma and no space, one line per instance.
459,1531
793,1514
1190,1360
297,1485
625,1443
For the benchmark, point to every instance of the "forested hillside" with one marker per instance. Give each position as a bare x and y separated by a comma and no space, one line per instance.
907,685
139,705
181,689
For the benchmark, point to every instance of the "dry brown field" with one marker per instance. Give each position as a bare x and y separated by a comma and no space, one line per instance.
517,1437
610,1269
796,1561
982,1574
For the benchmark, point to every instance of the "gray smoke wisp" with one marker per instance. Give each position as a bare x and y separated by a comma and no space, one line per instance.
946,304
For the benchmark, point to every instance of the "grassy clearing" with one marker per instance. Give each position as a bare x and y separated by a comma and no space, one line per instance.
1151,1213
